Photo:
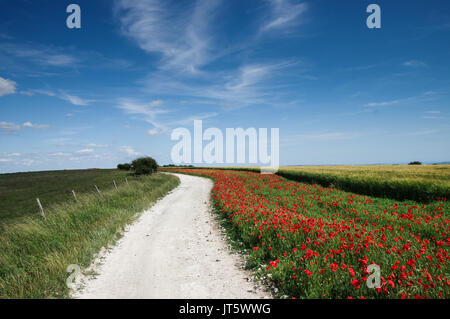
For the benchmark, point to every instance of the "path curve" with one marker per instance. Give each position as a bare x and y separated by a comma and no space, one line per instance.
174,250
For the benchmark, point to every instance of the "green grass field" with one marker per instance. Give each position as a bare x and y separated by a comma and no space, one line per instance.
18,191
421,183
35,253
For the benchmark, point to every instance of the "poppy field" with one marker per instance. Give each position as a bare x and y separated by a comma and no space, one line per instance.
311,241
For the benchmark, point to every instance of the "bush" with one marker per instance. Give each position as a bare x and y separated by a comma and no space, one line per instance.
124,167
144,166
415,163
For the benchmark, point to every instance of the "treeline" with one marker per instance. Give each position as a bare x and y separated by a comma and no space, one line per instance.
140,166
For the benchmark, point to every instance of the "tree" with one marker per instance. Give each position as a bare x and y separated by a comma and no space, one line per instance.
144,166
124,167
415,163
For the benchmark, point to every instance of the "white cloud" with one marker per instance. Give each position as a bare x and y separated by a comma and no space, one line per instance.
385,103
155,103
7,87
433,112
129,151
86,151
414,63
155,131
93,145
9,127
133,107
35,126
431,117
424,132
284,13
75,100
12,127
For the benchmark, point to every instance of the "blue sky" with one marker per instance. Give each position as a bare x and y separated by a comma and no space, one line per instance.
115,89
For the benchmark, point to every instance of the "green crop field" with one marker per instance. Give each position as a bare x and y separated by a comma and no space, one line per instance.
18,191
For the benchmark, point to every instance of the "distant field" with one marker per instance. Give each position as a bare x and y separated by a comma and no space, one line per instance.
18,191
422,183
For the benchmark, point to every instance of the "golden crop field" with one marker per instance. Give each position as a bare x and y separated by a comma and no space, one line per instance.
436,174
423,183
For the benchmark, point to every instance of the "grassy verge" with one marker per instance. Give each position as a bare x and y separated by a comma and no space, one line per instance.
35,253
18,191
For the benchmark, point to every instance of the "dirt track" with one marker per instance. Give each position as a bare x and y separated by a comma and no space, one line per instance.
174,250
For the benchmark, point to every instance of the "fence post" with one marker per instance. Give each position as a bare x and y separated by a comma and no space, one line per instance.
115,185
98,191
74,195
40,208
126,180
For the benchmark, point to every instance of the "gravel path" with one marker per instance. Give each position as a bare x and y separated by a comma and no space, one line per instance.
174,250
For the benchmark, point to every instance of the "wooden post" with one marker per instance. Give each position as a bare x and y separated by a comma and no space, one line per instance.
98,191
126,180
115,185
74,195
40,207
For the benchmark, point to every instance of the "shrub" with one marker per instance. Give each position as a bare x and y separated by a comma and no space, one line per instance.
124,167
415,163
144,166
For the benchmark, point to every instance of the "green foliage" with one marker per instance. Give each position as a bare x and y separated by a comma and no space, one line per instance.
415,163
144,166
124,167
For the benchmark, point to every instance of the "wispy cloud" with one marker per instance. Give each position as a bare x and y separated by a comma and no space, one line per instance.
9,127
129,151
181,37
75,100
432,115
72,99
35,126
329,136
86,151
415,63
43,55
423,132
426,96
149,111
7,87
385,103
247,85
284,14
